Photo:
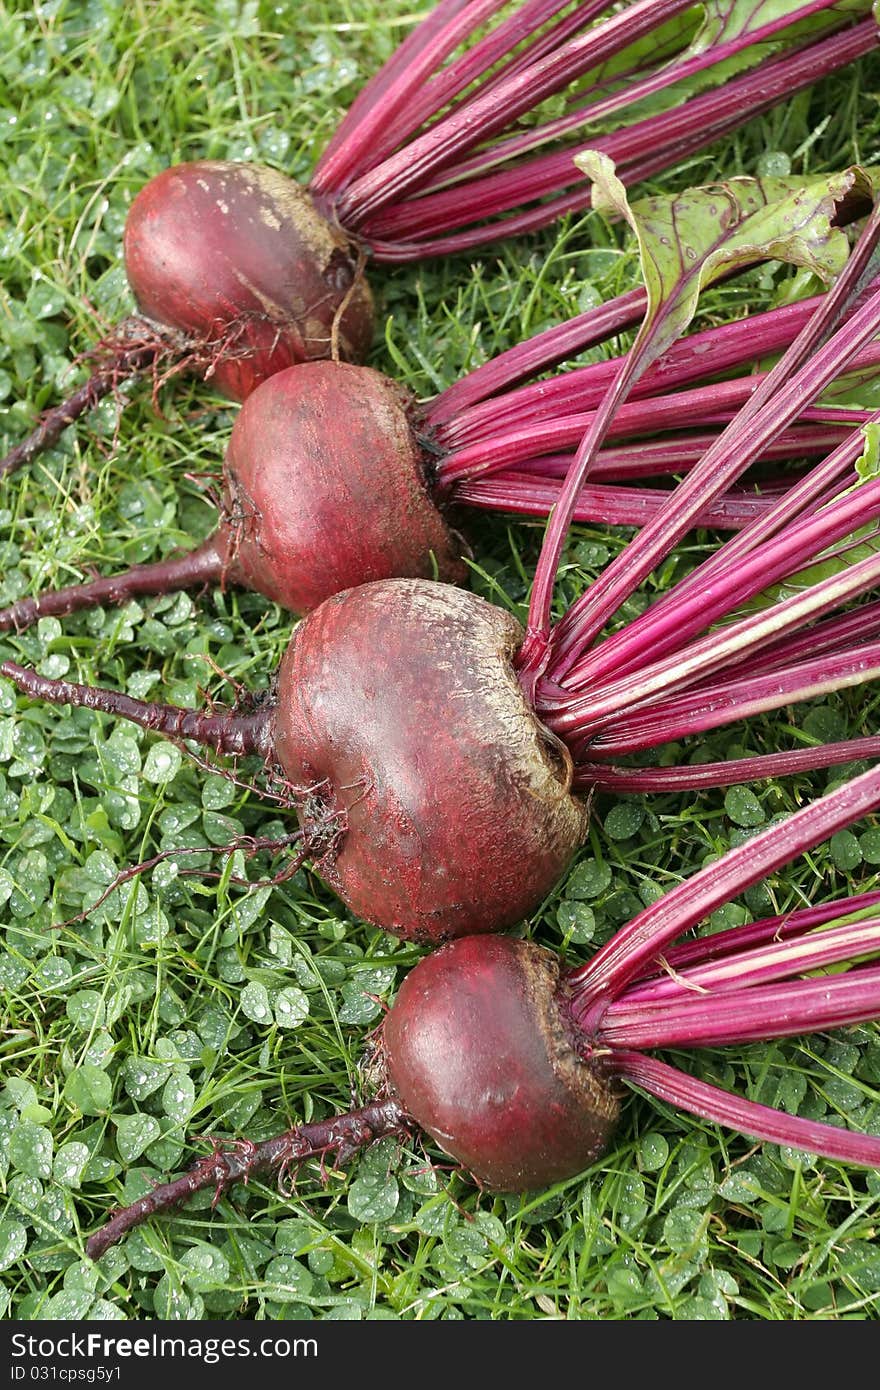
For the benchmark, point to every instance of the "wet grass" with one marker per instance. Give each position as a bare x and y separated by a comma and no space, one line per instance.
182,1007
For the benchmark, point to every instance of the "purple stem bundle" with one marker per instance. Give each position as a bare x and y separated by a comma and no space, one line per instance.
713,707
458,421
644,939
804,371
392,205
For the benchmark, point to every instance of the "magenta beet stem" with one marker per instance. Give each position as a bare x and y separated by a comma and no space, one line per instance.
712,707
681,613
699,406
640,151
731,773
643,940
445,86
688,664
711,352
376,89
673,454
805,370
536,354
736,940
746,968
748,1014
613,506
353,147
631,87
709,1102
488,113
831,635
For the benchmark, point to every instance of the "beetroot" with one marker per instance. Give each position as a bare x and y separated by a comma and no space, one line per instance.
482,1058
237,255
325,487
512,1065
228,261
410,723
334,476
371,748
236,275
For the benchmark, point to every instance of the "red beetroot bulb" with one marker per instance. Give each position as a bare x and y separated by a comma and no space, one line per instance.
326,487
393,700
510,1063
237,275
238,254
479,1054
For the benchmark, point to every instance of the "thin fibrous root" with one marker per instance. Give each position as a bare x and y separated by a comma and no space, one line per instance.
238,734
250,844
343,1135
136,346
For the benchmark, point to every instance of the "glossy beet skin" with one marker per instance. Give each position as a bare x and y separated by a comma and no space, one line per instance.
478,1050
325,488
398,708
430,796
240,255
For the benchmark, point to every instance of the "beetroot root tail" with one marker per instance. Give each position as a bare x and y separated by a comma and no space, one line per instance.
204,565
136,346
342,1135
238,734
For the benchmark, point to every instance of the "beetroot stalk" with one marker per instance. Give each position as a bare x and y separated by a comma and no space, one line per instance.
776,561
831,635
612,506
459,420
673,453
640,151
631,87
731,571
643,939
731,773
712,707
656,978
773,961
749,1117
803,372
410,169
537,354
510,1063
718,403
